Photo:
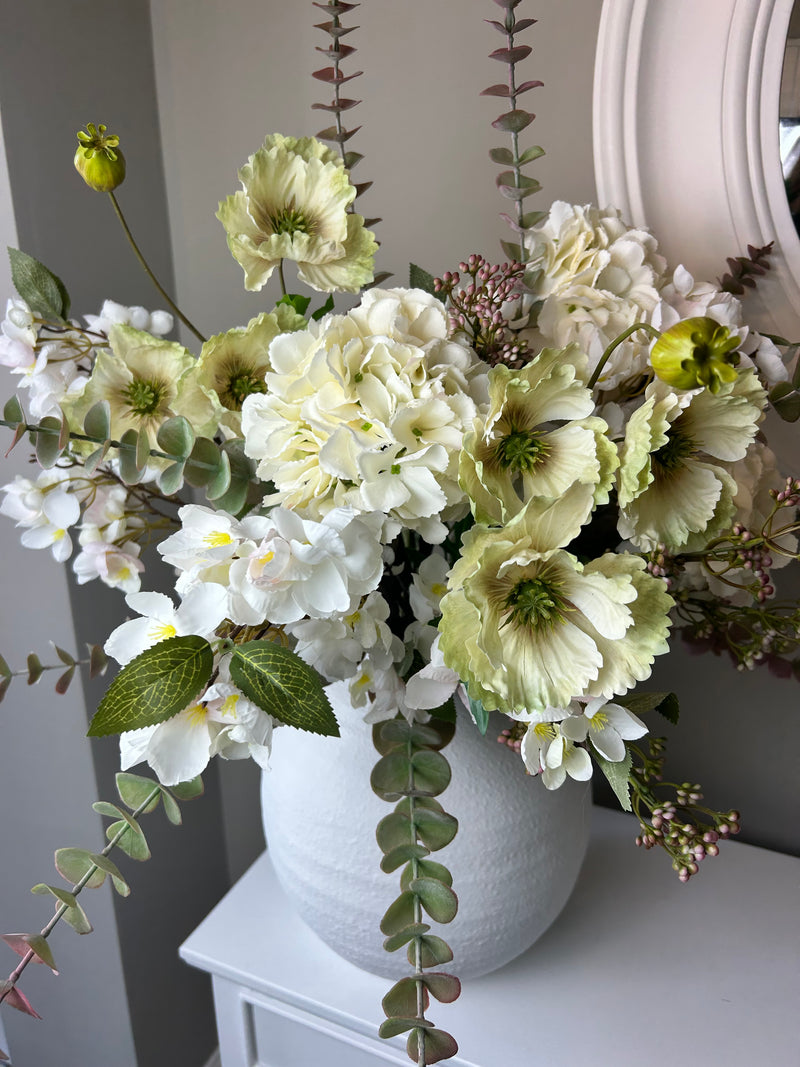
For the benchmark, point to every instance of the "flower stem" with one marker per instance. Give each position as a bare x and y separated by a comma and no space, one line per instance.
14,977
150,274
615,343
281,277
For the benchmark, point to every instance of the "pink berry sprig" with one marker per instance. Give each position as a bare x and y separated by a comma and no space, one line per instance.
687,830
480,300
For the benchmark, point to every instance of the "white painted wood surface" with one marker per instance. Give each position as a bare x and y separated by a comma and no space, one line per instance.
719,958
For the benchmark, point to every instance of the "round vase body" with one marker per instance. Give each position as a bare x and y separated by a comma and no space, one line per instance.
514,860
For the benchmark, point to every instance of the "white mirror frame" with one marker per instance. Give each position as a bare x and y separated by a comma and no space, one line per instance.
686,136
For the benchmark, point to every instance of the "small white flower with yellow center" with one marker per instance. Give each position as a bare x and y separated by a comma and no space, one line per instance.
60,510
428,587
607,725
546,751
201,611
208,537
177,750
115,566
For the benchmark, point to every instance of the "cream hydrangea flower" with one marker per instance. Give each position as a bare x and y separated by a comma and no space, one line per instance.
539,438
596,277
366,419
672,489
527,627
293,205
140,378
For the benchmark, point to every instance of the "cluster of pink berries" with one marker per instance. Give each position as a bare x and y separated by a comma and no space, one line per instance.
480,307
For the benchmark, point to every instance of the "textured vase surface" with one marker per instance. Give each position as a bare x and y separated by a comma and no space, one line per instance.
514,860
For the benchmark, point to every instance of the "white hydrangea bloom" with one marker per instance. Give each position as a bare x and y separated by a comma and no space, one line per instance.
368,410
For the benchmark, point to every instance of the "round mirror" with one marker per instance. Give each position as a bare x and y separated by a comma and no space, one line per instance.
789,116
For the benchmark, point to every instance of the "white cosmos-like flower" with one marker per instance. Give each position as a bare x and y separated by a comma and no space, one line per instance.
607,725
201,611
546,751
208,538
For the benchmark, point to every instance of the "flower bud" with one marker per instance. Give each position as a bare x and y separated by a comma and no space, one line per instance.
98,159
695,352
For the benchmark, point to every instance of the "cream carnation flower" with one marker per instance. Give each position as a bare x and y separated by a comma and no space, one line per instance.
293,205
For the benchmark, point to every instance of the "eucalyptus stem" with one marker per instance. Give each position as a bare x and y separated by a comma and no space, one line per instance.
61,910
651,330
145,266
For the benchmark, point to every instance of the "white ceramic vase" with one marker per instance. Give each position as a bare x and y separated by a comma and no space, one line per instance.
514,860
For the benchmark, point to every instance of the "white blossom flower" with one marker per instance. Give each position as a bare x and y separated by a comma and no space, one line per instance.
607,725
302,567
335,646
112,314
200,612
60,511
428,586
18,336
51,382
546,751
118,567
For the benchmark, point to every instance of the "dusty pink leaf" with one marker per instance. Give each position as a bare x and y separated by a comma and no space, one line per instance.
22,944
338,8
511,55
334,77
15,999
497,25
523,24
330,133
333,30
332,52
496,90
19,433
343,105
513,121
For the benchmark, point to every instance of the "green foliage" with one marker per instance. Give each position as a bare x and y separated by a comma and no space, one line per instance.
411,769
42,291
73,913
296,301
159,683
22,944
12,411
479,714
419,278
97,421
281,684
51,440
618,775
436,1045
665,704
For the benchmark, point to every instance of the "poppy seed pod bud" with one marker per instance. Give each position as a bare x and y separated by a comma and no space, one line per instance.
98,159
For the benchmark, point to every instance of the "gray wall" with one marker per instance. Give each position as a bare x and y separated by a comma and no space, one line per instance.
123,997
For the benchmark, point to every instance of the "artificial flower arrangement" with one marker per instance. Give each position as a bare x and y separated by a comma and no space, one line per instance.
499,489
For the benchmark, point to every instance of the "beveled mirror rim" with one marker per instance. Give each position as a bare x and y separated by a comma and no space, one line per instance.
708,75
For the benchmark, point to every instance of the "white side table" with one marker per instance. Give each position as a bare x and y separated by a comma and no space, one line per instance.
638,971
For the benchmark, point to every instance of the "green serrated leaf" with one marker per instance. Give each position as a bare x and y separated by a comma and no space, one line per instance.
134,790
419,278
281,684
396,857
133,843
188,790
437,899
618,775
399,914
12,411
48,444
97,421
176,437
401,1000
642,703
437,1045
43,291
479,714
73,863
396,941
159,683
434,951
